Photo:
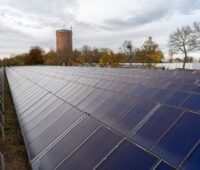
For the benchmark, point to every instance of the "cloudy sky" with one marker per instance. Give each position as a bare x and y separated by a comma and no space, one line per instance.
99,23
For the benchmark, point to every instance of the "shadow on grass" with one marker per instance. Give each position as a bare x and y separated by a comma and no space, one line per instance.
12,146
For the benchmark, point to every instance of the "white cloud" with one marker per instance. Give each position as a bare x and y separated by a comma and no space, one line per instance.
98,23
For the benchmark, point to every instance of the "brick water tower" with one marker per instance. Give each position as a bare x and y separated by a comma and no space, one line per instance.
64,45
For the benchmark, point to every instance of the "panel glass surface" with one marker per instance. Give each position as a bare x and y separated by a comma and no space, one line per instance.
193,103
138,91
164,166
96,146
193,161
180,139
162,95
68,143
122,106
196,89
47,122
30,116
39,144
128,156
159,122
177,98
148,134
42,115
133,117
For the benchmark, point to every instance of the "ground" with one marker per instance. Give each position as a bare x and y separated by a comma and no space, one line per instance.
12,146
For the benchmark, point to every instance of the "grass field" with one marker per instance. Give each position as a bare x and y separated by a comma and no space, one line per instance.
12,146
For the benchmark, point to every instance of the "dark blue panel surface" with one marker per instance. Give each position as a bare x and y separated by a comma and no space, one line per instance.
95,94
193,162
193,103
185,87
196,89
150,132
138,91
92,151
62,124
98,102
178,142
42,115
122,106
46,123
105,107
67,144
173,86
181,86
162,95
149,93
164,166
55,133
133,117
128,157
177,98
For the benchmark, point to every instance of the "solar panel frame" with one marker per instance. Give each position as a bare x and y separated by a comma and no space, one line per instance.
119,82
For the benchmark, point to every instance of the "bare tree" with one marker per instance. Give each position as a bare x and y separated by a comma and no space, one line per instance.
184,41
196,34
171,53
129,50
86,52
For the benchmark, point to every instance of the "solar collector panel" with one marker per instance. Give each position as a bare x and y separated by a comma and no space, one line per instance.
180,139
46,126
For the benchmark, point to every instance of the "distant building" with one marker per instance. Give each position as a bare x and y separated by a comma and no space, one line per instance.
64,45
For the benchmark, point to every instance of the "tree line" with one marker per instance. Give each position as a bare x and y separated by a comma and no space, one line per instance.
148,54
184,40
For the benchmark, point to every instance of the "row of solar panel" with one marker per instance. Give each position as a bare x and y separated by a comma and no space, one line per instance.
119,77
2,167
124,75
43,119
187,85
167,96
2,89
1,102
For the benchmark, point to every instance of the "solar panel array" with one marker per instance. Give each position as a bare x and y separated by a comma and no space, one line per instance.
95,118
1,113
1,102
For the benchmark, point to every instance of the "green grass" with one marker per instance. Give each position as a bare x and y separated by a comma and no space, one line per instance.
12,146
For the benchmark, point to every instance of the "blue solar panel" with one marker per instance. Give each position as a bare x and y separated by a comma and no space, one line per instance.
164,166
133,117
196,89
68,143
44,124
122,106
138,91
149,93
42,115
193,161
193,103
94,118
96,147
128,156
162,95
186,87
181,86
66,121
167,116
177,98
180,139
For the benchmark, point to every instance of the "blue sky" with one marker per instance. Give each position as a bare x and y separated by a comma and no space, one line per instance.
99,23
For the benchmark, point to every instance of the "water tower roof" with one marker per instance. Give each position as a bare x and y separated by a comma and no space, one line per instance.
63,30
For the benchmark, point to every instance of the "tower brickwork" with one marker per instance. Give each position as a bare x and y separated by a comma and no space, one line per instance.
64,45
